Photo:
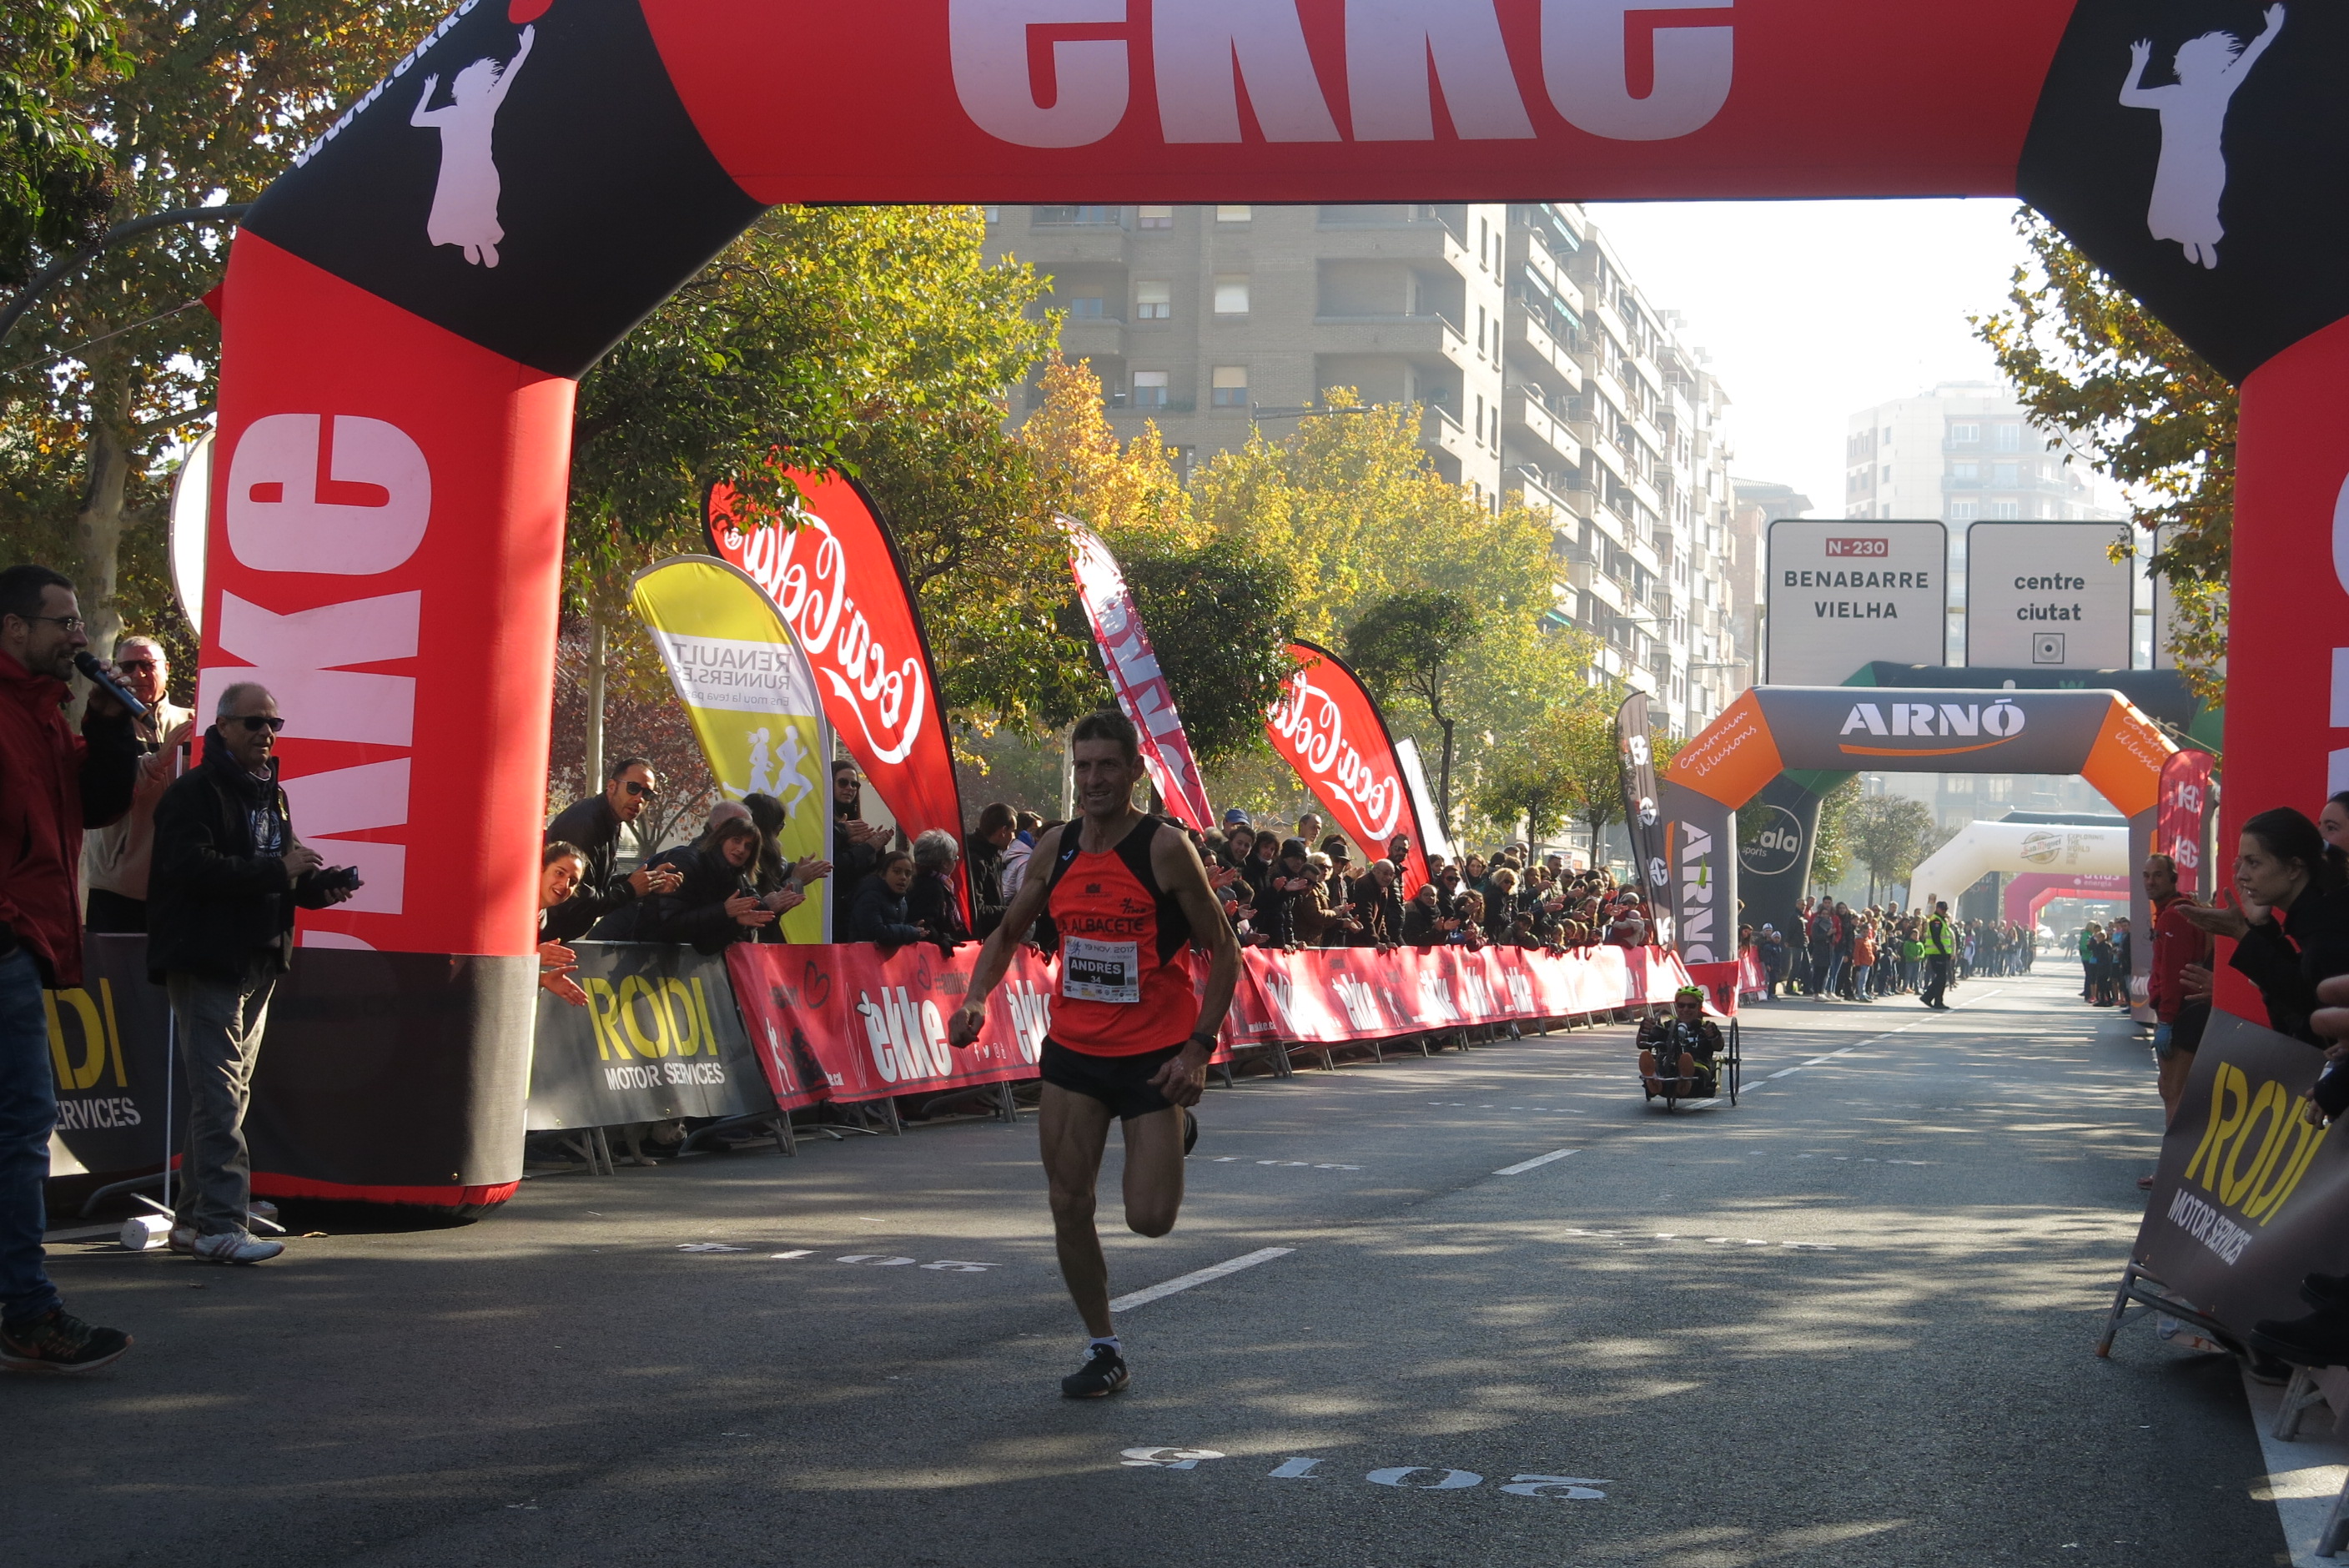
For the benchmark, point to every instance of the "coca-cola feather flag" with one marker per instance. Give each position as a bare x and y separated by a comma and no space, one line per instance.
834,574
1327,728
1143,695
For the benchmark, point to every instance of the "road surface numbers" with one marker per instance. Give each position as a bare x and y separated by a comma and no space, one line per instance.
875,1259
1408,1477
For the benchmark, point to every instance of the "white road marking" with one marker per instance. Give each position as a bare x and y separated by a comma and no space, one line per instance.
1199,1276
1780,1075
802,1252
1539,1160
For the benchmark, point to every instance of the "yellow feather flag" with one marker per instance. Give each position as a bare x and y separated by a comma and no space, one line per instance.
751,699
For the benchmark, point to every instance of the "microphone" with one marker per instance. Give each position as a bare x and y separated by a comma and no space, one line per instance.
103,678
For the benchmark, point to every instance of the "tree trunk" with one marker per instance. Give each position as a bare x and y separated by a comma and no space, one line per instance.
97,527
1443,789
594,762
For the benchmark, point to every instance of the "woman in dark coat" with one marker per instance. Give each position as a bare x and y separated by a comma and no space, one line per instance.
879,914
2293,930
716,903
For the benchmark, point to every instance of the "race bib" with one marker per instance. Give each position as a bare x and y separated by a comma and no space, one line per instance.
1100,971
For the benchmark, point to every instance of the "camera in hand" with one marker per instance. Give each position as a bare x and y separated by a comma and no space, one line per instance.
339,879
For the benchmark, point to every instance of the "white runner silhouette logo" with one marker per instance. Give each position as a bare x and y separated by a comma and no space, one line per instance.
2192,174
465,202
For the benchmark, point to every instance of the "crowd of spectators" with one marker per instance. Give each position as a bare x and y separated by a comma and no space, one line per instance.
1883,949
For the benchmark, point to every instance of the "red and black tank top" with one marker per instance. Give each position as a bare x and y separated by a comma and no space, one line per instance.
1125,969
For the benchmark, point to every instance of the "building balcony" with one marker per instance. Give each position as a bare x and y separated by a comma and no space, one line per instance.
1440,428
1539,491
1095,337
1426,338
1526,339
1524,415
1424,240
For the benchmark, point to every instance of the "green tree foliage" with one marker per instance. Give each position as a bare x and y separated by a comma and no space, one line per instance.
1832,846
871,339
1218,611
2095,366
1536,784
1889,834
1412,643
103,381
56,178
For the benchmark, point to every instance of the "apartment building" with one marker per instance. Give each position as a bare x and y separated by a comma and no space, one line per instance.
1539,369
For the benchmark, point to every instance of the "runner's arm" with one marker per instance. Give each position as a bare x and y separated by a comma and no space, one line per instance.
1179,871
994,955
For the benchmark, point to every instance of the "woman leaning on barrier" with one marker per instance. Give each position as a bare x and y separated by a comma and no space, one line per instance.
2291,928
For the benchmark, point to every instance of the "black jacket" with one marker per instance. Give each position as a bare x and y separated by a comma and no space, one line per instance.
851,863
2286,963
695,914
213,907
985,866
594,827
880,916
931,902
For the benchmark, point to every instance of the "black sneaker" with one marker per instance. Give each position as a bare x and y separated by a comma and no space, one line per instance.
1102,1373
1190,1132
63,1342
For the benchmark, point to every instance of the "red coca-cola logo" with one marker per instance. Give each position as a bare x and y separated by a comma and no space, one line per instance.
805,570
1313,725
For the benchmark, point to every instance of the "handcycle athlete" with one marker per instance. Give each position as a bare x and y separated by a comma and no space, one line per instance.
1130,1037
1679,1055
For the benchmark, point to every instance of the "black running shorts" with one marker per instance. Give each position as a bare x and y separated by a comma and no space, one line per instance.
1120,1083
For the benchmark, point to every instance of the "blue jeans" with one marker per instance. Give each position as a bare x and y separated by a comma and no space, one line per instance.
28,1112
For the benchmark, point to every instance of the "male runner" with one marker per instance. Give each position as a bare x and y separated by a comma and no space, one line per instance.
1129,1038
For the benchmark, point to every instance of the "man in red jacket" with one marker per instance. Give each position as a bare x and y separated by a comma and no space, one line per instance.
52,785
2177,1031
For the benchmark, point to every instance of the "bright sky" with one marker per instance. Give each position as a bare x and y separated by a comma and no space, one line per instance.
1813,310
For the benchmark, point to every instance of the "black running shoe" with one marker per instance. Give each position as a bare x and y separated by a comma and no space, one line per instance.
2320,1339
1190,1132
1102,1373
63,1343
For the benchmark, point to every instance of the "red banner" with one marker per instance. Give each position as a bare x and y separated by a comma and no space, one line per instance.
850,1023
2178,827
1143,695
1327,728
834,574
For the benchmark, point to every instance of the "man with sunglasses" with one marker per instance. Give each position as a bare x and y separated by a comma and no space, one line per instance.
227,877
115,858
52,784
594,824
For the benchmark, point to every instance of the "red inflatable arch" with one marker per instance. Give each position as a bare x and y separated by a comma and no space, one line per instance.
408,306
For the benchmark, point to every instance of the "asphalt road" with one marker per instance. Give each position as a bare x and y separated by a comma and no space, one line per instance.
1845,1322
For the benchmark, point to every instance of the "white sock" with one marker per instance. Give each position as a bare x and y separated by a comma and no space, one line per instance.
1109,1339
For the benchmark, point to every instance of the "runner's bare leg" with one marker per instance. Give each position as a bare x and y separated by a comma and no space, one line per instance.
1073,1129
1153,1172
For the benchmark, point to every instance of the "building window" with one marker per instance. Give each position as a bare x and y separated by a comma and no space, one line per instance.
1964,511
2007,474
1231,214
2006,438
1999,787
1087,306
1154,301
1085,217
2004,510
994,214
1149,389
1230,388
1888,473
1231,294
1965,434
1154,217
1969,469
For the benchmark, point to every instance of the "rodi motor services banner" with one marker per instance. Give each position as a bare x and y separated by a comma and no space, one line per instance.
2248,1196
832,571
1143,695
748,690
1325,726
659,1037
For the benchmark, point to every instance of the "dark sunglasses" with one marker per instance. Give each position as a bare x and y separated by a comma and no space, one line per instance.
635,787
254,723
126,664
